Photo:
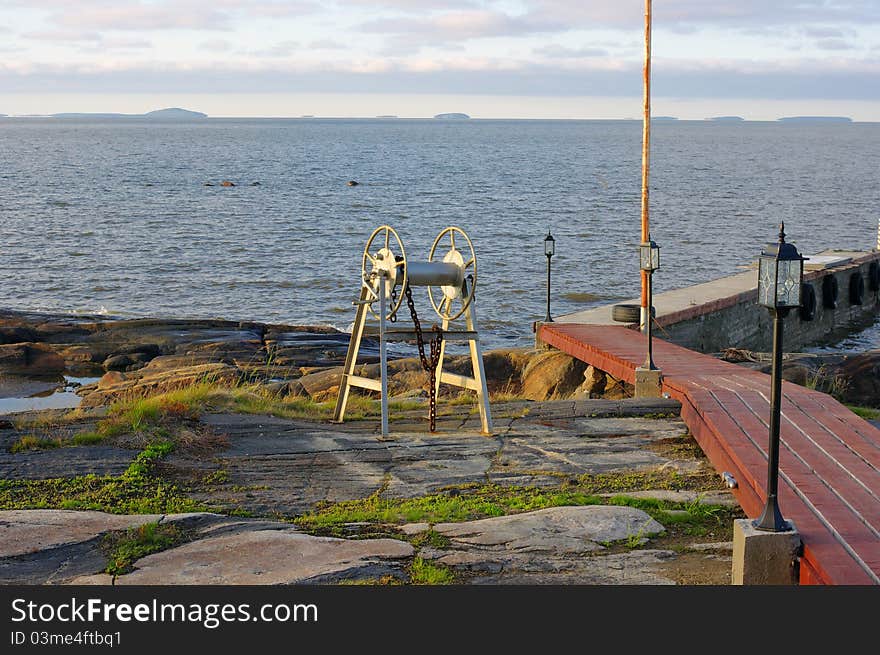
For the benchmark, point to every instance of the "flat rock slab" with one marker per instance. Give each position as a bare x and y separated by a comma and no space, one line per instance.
289,466
55,546
639,567
266,557
559,545
556,530
70,461
28,531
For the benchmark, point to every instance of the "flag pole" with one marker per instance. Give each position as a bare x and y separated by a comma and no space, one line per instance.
646,159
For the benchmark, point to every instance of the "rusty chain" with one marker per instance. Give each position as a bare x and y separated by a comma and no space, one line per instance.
429,365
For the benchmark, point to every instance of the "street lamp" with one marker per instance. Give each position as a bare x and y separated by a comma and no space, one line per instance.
649,261
780,276
549,250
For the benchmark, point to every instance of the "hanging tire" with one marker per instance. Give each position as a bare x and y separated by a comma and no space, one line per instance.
830,292
808,302
856,289
629,313
874,276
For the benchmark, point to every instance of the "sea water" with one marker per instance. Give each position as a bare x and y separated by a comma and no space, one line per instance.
129,217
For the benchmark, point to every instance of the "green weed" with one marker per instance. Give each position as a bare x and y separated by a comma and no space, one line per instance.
124,548
426,573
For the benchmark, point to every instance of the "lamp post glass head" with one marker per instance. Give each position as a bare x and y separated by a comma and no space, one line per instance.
549,245
780,274
649,256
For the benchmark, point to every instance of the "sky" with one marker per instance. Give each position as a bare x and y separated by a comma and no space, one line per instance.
757,59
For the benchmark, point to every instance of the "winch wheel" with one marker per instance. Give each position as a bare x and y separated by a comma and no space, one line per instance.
466,260
387,263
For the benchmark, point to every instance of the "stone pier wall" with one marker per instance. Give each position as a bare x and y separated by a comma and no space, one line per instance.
739,322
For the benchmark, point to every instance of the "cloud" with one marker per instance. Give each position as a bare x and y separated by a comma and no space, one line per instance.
63,36
283,49
828,32
412,6
327,44
745,13
447,26
561,52
90,41
216,45
141,17
813,79
835,44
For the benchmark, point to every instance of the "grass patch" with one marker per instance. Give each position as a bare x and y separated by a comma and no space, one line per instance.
425,573
486,500
34,442
430,538
105,493
476,501
867,413
124,548
147,414
46,442
86,438
136,491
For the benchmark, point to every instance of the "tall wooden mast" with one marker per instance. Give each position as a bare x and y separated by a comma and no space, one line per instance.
646,158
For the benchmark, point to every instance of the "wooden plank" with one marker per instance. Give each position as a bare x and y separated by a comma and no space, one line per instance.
829,474
365,383
836,433
459,381
844,473
820,513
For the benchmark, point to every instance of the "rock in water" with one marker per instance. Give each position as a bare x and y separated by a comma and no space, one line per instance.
861,379
227,183
353,183
30,359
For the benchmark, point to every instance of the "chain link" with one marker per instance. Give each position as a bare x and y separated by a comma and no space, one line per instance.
429,365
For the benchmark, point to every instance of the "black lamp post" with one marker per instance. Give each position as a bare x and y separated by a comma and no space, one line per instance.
649,261
780,275
549,250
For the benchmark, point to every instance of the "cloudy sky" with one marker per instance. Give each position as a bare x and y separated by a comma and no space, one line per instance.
490,58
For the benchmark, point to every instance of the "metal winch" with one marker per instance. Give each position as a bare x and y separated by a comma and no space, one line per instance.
387,278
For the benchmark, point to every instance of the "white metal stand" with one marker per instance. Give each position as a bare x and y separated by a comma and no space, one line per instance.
477,383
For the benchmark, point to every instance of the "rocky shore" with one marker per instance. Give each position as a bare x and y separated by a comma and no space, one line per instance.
137,357
141,356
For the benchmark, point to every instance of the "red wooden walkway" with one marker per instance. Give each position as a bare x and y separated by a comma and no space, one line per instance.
829,482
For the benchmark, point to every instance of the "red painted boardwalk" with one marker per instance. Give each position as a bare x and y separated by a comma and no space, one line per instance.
829,482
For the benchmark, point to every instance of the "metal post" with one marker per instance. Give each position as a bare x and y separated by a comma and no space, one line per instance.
383,355
649,362
771,519
547,318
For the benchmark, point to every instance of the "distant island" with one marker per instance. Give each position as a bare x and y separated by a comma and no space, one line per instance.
387,116
815,119
664,118
172,113
452,115
727,119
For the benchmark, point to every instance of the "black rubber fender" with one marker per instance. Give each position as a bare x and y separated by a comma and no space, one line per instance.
808,302
830,292
856,288
629,313
874,276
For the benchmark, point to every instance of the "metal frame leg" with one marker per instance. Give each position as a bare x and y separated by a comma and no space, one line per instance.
354,345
